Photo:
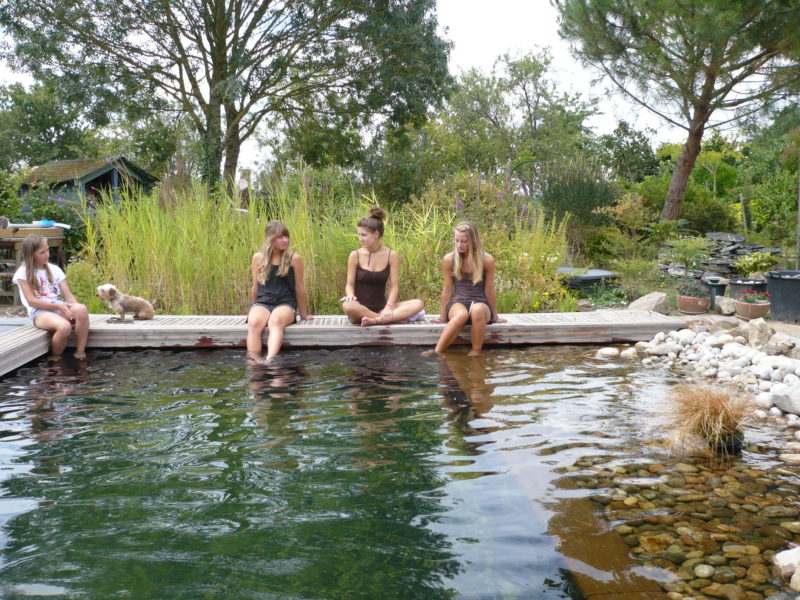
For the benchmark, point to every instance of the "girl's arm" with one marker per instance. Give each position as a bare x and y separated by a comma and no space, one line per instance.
394,284
33,301
350,285
491,292
254,272
447,288
300,288
67,293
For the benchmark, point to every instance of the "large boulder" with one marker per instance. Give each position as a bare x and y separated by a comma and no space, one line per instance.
654,301
725,305
786,397
759,333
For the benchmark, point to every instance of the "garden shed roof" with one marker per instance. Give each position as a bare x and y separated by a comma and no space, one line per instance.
86,169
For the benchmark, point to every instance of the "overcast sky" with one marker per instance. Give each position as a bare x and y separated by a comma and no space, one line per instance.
482,30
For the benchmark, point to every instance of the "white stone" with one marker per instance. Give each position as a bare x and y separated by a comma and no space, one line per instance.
693,356
764,386
794,582
797,435
761,414
608,352
733,350
793,459
775,411
629,353
791,379
723,375
709,372
654,301
659,337
759,333
786,397
724,305
740,339
787,562
764,400
720,340
685,337
662,349
793,421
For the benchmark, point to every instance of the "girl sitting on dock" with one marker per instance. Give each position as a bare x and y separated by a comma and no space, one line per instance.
50,303
468,295
368,270
278,292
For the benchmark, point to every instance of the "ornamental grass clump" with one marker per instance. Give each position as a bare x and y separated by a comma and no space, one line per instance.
754,297
711,413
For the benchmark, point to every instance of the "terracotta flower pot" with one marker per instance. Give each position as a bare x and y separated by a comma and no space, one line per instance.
747,311
689,305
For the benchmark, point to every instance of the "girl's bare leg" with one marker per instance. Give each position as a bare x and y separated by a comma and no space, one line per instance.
81,314
60,327
257,320
456,319
356,312
481,314
278,320
406,309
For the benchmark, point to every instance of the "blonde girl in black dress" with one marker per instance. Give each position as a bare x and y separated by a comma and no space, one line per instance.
368,270
469,294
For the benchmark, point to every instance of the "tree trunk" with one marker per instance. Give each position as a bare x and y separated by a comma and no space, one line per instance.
212,150
797,241
232,148
684,166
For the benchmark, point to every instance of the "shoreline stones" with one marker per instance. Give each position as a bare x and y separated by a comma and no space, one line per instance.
748,355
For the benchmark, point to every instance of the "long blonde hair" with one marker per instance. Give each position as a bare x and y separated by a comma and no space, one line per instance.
30,245
474,260
274,229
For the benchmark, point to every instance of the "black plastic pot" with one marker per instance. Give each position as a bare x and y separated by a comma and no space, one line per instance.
715,288
730,444
784,287
737,286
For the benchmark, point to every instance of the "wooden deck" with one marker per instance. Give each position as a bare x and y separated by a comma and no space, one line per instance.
26,343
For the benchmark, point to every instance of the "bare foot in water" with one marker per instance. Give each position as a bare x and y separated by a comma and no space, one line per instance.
429,353
80,355
474,352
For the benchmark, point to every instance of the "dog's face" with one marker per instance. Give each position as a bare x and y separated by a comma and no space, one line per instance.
106,292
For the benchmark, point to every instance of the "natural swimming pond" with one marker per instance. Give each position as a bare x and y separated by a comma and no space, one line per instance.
370,473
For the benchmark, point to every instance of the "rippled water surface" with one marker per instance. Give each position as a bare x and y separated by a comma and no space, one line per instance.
368,473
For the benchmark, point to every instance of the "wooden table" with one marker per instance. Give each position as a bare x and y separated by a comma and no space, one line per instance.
11,253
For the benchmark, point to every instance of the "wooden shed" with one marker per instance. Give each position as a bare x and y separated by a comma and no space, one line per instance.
88,177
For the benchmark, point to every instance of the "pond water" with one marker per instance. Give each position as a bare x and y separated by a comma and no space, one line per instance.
363,473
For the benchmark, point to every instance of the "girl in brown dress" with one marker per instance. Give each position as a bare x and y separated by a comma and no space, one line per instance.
368,270
469,295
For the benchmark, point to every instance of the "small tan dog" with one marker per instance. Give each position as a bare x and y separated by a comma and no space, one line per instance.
122,303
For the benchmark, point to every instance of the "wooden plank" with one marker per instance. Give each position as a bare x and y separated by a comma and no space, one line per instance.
335,331
25,343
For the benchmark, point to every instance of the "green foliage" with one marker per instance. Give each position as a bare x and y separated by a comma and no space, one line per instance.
83,281
527,260
694,288
42,205
658,232
637,276
628,154
578,187
688,250
607,296
755,261
9,200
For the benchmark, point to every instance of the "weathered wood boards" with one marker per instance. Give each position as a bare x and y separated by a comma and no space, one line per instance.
27,343
334,330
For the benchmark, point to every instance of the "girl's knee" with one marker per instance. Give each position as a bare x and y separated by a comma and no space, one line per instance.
79,310
64,327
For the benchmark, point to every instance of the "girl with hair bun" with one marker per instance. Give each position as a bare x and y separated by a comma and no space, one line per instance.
368,270
278,292
469,295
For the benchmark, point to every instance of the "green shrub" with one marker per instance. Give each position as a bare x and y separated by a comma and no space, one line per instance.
83,280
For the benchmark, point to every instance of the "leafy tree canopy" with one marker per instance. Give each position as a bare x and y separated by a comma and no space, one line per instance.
686,61
230,65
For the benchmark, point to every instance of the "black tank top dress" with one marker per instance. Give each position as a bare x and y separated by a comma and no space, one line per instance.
277,290
370,286
465,292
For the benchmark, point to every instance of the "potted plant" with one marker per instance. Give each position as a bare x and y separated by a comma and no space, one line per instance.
752,304
710,413
693,297
688,252
747,266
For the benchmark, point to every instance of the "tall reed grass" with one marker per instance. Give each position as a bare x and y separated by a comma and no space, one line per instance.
190,253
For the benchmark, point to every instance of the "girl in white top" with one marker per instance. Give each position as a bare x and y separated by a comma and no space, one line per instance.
50,303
